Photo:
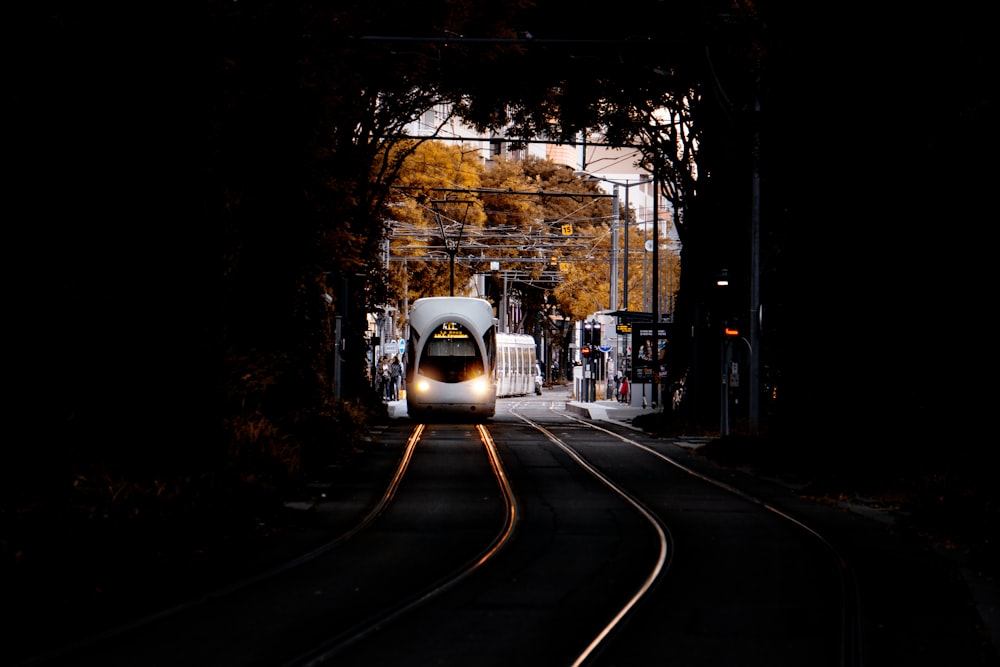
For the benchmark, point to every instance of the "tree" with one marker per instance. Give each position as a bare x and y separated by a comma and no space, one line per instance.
437,210
308,136
571,75
312,137
344,83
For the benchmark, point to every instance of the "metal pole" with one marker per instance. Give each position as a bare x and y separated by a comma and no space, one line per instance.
644,394
588,375
338,344
613,298
754,403
724,399
645,271
625,268
406,299
451,257
503,300
655,354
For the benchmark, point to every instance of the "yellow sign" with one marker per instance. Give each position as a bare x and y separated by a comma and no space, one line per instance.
567,230
451,330
564,266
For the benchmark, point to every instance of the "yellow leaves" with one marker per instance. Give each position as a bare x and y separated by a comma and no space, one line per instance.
436,164
433,174
530,217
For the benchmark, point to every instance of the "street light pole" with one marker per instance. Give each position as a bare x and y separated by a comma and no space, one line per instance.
655,354
613,299
625,268
755,311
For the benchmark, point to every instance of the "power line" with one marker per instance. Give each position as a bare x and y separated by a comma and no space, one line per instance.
526,40
501,191
516,141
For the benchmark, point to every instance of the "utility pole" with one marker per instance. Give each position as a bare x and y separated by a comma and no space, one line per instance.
755,310
655,352
625,268
613,299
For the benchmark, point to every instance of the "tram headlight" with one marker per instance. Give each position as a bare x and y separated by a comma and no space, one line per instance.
423,386
480,386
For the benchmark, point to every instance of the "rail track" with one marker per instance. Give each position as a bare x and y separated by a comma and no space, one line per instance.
449,555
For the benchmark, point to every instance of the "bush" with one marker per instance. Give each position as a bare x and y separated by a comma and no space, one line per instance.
329,437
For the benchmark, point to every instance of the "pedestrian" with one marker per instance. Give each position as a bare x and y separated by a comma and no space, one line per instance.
623,390
395,375
386,379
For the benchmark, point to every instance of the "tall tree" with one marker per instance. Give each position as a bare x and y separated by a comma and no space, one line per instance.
437,212
311,135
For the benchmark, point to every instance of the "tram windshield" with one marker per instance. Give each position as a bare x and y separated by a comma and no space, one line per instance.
451,355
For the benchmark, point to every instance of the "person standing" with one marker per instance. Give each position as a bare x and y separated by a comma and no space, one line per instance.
395,375
623,390
386,379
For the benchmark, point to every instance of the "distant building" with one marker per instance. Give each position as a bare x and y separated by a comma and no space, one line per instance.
603,162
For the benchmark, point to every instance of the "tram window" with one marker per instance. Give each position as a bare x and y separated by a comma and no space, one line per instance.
411,354
452,358
491,347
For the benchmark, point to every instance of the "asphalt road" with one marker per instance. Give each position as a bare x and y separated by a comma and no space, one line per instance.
919,607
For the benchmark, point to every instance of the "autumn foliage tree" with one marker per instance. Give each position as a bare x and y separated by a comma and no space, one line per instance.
534,219
435,210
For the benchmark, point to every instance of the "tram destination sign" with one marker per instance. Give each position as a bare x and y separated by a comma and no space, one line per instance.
451,330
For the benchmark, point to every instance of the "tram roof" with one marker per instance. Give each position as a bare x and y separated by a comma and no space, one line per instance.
428,311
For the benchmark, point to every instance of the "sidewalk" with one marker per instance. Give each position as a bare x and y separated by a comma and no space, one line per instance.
613,411
607,410
603,410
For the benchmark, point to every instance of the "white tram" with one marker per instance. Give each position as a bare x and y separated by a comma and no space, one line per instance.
517,365
451,358
457,363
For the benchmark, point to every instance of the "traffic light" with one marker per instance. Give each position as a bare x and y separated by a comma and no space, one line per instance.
593,333
591,339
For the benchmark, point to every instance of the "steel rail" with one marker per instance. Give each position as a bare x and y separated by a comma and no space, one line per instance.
851,633
321,654
213,596
663,534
